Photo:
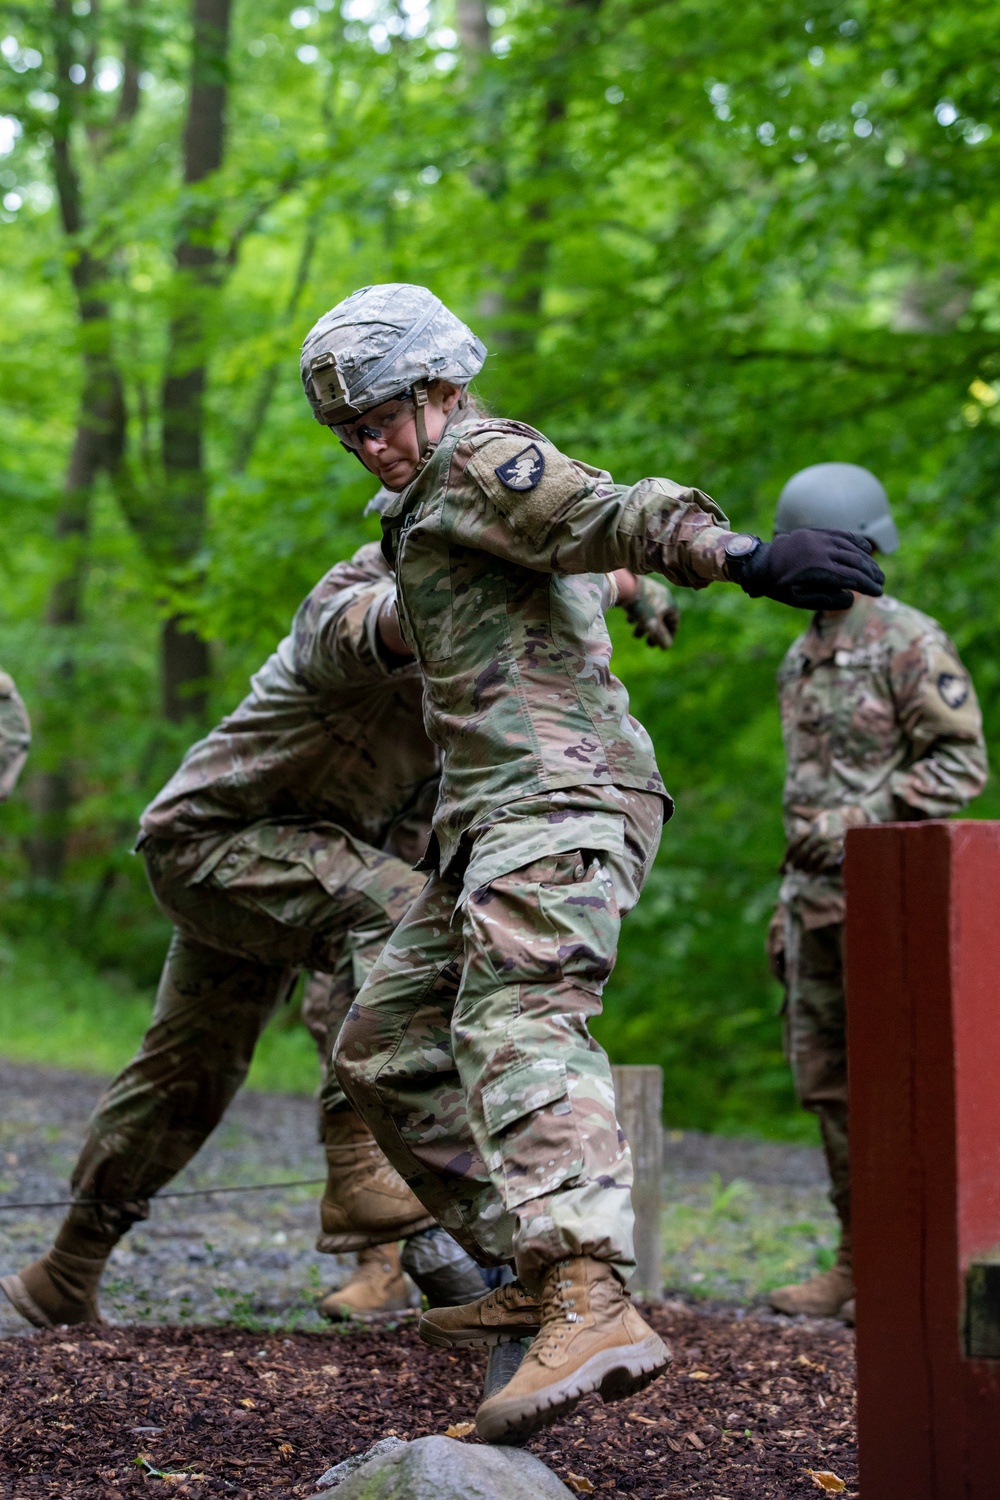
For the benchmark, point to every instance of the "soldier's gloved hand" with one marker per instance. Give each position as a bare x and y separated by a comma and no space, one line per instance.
820,849
810,569
653,614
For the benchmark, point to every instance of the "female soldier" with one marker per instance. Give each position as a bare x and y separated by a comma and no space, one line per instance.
467,1050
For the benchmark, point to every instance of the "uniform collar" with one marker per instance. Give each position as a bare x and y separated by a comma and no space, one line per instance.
829,634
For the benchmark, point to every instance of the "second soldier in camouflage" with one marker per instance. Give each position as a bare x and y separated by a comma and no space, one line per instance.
272,849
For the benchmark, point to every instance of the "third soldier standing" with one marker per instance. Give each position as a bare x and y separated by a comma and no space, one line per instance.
881,724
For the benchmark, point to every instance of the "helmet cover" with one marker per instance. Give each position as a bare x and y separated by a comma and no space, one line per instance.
378,343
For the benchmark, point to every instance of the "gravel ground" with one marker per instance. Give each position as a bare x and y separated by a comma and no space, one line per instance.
740,1216
245,1259
693,1156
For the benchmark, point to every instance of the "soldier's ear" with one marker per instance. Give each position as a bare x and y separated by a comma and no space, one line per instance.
444,394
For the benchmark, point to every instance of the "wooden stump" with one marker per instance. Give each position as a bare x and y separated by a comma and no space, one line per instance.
923,1001
639,1097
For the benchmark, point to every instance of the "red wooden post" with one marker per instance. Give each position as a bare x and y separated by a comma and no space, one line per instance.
923,986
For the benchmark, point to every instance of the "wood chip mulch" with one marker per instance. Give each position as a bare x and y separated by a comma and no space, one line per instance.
747,1409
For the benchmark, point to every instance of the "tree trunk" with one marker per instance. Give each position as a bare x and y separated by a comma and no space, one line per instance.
247,440
51,788
474,29
485,102
132,50
96,446
520,304
185,656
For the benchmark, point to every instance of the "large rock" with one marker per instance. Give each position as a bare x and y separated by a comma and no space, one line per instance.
340,1472
439,1468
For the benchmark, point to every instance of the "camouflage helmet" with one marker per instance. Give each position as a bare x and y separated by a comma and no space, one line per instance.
844,497
381,342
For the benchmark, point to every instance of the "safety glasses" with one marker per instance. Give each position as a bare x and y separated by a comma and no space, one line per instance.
354,434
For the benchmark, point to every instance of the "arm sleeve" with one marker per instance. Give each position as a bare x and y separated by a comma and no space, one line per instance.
575,519
335,637
939,712
15,735
609,592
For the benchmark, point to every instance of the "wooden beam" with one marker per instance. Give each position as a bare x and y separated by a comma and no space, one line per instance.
923,1004
639,1097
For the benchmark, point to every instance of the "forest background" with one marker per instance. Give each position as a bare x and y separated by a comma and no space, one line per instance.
710,241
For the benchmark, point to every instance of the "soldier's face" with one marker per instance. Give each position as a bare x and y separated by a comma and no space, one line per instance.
386,438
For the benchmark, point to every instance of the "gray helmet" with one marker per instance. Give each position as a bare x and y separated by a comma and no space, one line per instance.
844,497
380,342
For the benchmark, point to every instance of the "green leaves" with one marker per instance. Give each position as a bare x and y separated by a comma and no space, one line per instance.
709,242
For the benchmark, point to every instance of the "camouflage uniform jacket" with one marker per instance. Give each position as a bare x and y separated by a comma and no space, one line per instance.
15,735
881,723
329,732
500,544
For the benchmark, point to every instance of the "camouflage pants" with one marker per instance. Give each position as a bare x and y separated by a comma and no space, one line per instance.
249,914
816,1040
326,999
468,1051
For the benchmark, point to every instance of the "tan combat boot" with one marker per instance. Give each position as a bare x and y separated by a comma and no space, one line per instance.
510,1312
821,1296
365,1201
591,1339
846,1313
377,1285
62,1286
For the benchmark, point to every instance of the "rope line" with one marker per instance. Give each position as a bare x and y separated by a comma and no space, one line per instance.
254,1187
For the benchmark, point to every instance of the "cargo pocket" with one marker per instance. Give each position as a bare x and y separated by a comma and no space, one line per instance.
275,856
584,923
534,1143
561,929
230,867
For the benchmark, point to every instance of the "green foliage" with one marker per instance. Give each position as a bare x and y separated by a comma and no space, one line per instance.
57,1011
738,1240
714,243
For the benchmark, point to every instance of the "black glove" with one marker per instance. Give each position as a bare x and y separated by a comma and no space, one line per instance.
810,569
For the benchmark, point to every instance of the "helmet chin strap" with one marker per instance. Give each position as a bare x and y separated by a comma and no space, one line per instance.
425,446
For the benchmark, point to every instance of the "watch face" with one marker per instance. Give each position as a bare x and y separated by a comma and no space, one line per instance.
739,545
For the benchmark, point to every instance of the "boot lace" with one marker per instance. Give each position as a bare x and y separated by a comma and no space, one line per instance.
510,1297
558,1316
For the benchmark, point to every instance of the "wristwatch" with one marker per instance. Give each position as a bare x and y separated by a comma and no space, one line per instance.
741,544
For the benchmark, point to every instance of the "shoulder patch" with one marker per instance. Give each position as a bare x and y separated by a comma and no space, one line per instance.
530,483
953,689
524,470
